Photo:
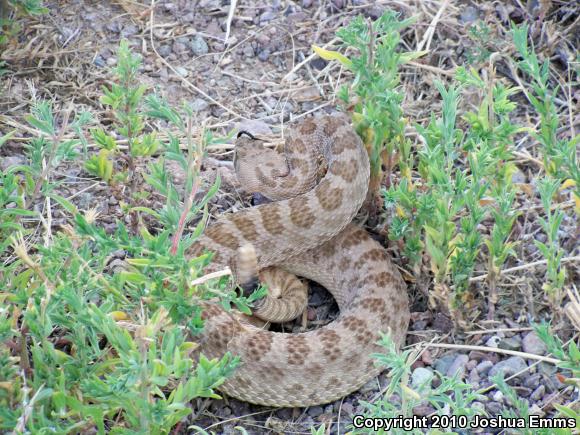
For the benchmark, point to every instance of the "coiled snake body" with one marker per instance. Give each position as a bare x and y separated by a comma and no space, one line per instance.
306,232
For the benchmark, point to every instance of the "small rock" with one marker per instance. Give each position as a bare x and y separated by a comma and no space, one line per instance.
497,396
264,54
315,411
113,26
421,377
338,4
306,3
510,343
164,50
85,200
442,364
423,410
9,161
255,127
536,410
457,368
111,61
169,7
117,265
547,369
369,386
519,177
284,413
538,393
129,30
267,16
99,61
419,325
347,408
532,381
248,51
199,46
442,323
119,253
484,367
188,18
181,71
533,344
479,356
493,341
474,378
508,367
318,63
198,105
179,47
493,408
469,15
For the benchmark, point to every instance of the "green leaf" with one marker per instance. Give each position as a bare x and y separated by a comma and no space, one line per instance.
64,203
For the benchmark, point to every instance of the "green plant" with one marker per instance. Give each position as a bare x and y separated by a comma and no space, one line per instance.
480,35
560,156
9,27
125,99
85,346
455,403
551,250
374,96
464,176
570,357
450,398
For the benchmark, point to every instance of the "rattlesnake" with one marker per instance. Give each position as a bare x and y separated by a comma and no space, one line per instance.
307,232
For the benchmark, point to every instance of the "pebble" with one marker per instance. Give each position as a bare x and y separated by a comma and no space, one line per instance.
9,161
497,396
267,16
509,366
369,386
457,368
99,61
255,127
493,341
421,377
423,410
264,54
484,367
532,381
538,393
199,46
188,18
248,51
533,344
493,408
469,15
474,378
164,50
511,343
181,71
129,30
315,411
347,408
547,369
442,364
198,105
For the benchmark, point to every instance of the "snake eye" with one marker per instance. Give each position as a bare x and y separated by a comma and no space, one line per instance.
244,132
